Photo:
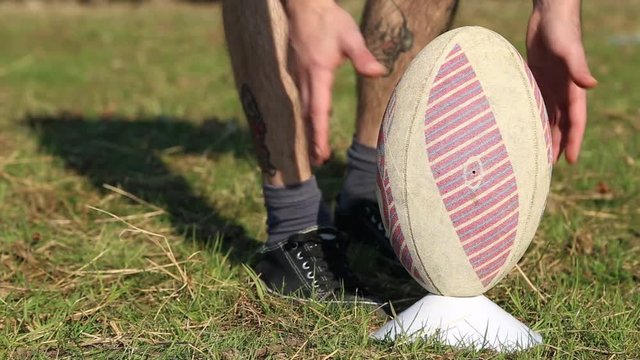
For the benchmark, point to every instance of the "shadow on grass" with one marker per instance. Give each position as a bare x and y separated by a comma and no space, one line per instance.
126,153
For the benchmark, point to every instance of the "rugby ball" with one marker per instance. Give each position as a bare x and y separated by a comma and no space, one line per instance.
464,162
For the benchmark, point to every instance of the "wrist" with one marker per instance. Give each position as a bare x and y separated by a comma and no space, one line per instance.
557,7
293,6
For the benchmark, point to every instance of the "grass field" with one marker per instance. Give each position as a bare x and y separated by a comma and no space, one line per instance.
130,200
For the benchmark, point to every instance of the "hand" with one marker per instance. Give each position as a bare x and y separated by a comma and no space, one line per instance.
322,35
557,59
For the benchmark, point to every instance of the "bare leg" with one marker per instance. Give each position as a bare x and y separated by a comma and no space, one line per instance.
395,31
257,37
296,257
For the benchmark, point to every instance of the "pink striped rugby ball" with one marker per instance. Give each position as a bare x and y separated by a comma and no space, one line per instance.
464,162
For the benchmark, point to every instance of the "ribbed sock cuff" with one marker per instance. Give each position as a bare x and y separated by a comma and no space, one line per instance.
360,179
293,208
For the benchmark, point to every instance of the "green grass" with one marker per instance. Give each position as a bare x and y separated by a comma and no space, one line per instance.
126,112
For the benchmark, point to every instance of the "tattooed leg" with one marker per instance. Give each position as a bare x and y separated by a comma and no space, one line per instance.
395,31
257,37
258,130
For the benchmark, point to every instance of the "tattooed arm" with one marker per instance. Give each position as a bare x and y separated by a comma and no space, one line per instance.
557,59
322,35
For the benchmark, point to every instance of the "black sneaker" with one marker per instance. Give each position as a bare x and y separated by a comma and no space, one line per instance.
312,264
364,224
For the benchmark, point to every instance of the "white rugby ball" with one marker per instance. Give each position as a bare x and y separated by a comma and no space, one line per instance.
464,162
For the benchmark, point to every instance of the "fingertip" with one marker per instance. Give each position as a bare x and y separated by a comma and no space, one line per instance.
572,151
576,62
361,57
375,68
581,74
370,68
320,156
571,158
586,81
556,147
315,161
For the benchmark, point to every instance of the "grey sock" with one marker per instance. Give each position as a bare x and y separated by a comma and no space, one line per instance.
294,208
360,180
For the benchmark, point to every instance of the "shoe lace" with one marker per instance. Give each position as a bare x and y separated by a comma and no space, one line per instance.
322,257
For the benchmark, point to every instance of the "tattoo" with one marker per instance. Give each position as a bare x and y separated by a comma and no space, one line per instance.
258,129
389,37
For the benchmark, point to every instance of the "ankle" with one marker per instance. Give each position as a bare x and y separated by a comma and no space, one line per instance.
359,183
294,208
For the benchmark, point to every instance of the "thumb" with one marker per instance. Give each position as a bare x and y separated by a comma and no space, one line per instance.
363,60
576,63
